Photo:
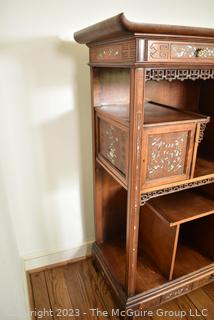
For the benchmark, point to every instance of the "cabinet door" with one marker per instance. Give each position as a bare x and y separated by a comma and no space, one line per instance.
167,153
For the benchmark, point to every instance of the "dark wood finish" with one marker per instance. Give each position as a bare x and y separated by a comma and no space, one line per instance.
166,291
119,25
161,221
134,179
175,51
156,230
111,86
86,289
113,124
153,124
183,206
177,94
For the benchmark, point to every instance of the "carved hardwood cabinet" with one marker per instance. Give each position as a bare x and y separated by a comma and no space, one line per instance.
152,89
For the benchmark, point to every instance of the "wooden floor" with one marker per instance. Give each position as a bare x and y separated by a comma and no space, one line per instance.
74,289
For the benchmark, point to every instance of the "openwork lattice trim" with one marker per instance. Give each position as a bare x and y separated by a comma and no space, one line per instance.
149,195
202,130
179,74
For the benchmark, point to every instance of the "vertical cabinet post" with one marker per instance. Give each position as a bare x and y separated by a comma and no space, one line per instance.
134,177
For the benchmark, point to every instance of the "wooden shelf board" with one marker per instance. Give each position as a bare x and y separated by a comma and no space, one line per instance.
148,276
204,167
188,260
119,113
184,206
154,114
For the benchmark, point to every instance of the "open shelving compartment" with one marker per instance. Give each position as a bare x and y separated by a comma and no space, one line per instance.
178,119
192,97
177,231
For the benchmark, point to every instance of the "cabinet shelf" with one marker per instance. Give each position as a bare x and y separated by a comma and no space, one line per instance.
170,227
147,277
189,260
182,207
154,114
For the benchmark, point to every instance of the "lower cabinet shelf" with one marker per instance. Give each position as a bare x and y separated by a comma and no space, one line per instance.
175,251
148,275
152,288
176,231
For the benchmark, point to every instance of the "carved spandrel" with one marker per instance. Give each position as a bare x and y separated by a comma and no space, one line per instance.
167,153
202,130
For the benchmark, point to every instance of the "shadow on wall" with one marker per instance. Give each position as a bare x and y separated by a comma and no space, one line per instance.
52,130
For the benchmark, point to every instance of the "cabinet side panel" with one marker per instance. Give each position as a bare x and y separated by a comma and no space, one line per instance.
113,145
157,239
114,202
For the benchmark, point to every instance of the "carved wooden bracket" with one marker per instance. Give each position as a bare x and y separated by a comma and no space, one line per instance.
202,130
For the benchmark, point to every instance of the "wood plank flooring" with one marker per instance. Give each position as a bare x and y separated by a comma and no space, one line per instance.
73,290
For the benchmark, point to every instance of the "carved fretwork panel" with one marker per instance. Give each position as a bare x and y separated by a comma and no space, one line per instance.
202,130
153,194
179,74
167,154
113,143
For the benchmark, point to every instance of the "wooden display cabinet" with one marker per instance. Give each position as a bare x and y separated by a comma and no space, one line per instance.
152,89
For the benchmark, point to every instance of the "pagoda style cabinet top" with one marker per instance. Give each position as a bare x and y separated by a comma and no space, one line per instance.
152,97
145,43
120,26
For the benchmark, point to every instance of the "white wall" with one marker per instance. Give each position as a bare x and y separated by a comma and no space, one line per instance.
12,296
45,112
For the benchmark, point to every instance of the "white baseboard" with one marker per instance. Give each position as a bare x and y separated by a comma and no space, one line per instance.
51,257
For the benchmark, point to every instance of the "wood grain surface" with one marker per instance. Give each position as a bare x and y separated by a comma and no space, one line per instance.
77,286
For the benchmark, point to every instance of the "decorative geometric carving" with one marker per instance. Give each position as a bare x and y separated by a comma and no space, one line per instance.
167,153
179,74
159,50
153,194
202,130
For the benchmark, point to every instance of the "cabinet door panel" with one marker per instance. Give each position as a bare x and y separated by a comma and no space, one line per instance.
167,154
